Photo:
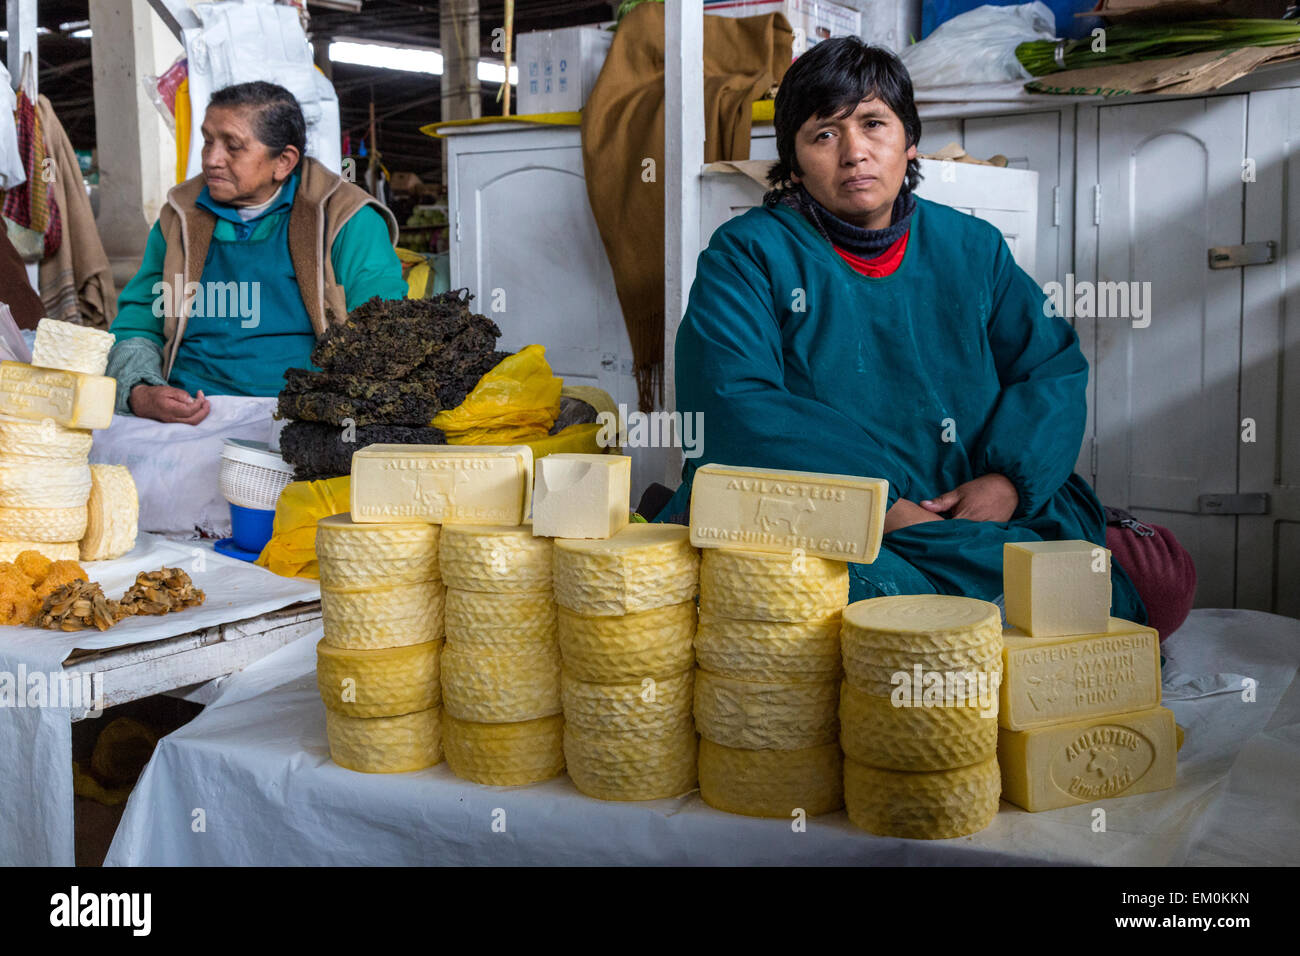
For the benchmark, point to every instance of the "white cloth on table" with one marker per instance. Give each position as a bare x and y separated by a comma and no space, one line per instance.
176,467
36,826
256,762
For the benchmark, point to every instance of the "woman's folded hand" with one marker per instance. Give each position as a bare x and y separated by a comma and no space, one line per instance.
990,497
167,404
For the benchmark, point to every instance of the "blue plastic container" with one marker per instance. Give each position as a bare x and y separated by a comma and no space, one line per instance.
251,527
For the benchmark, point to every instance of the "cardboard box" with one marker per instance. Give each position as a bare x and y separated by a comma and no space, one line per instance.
1163,10
812,20
558,68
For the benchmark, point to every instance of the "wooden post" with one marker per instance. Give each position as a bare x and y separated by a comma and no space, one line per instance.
683,159
458,37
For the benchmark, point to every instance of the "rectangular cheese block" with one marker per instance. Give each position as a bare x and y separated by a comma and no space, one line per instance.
839,517
442,484
1054,588
1084,761
70,399
582,496
1049,680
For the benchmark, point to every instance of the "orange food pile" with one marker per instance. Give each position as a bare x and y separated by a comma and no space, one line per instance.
28,580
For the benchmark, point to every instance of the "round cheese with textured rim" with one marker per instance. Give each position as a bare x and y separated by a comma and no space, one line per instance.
653,707
43,524
43,439
383,617
112,513
769,651
881,681
385,744
53,550
384,682
875,732
771,783
71,347
615,768
642,567
922,806
494,558
500,688
756,586
504,755
615,650
933,630
748,715
499,623
356,556
43,482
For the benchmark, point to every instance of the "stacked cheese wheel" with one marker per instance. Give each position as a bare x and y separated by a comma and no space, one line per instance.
52,500
501,666
767,689
378,664
627,616
918,714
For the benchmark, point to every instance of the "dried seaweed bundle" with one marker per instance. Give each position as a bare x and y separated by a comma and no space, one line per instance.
385,374
317,450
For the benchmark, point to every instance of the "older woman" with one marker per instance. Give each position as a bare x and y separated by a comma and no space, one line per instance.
247,265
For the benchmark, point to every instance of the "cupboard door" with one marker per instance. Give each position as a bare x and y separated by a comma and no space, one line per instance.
1167,426
1268,546
1033,141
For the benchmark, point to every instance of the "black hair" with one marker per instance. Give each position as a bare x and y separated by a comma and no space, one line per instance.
278,121
831,79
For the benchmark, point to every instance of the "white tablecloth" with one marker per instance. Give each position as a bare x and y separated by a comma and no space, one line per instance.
250,781
36,741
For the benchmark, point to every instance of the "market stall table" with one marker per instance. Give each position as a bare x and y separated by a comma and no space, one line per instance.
250,782
248,612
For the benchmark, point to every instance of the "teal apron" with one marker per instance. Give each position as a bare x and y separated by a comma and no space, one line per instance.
245,348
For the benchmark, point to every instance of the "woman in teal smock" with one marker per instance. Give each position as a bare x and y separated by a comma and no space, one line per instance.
248,264
850,327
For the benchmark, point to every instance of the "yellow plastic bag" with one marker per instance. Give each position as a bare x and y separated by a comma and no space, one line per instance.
517,401
291,552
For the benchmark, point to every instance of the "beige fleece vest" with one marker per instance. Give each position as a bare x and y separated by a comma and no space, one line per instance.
322,205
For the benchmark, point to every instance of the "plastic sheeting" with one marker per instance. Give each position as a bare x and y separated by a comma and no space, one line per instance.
36,826
242,42
176,467
257,764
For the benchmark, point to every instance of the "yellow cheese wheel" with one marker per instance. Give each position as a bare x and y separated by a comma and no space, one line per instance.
43,439
496,622
936,631
383,617
748,715
618,768
43,482
494,558
771,783
112,513
501,688
616,650
386,682
769,651
922,806
504,755
653,707
882,681
43,524
385,744
642,567
55,551
357,556
757,586
876,733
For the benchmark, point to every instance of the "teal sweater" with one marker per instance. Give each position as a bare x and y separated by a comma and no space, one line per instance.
364,264
943,371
